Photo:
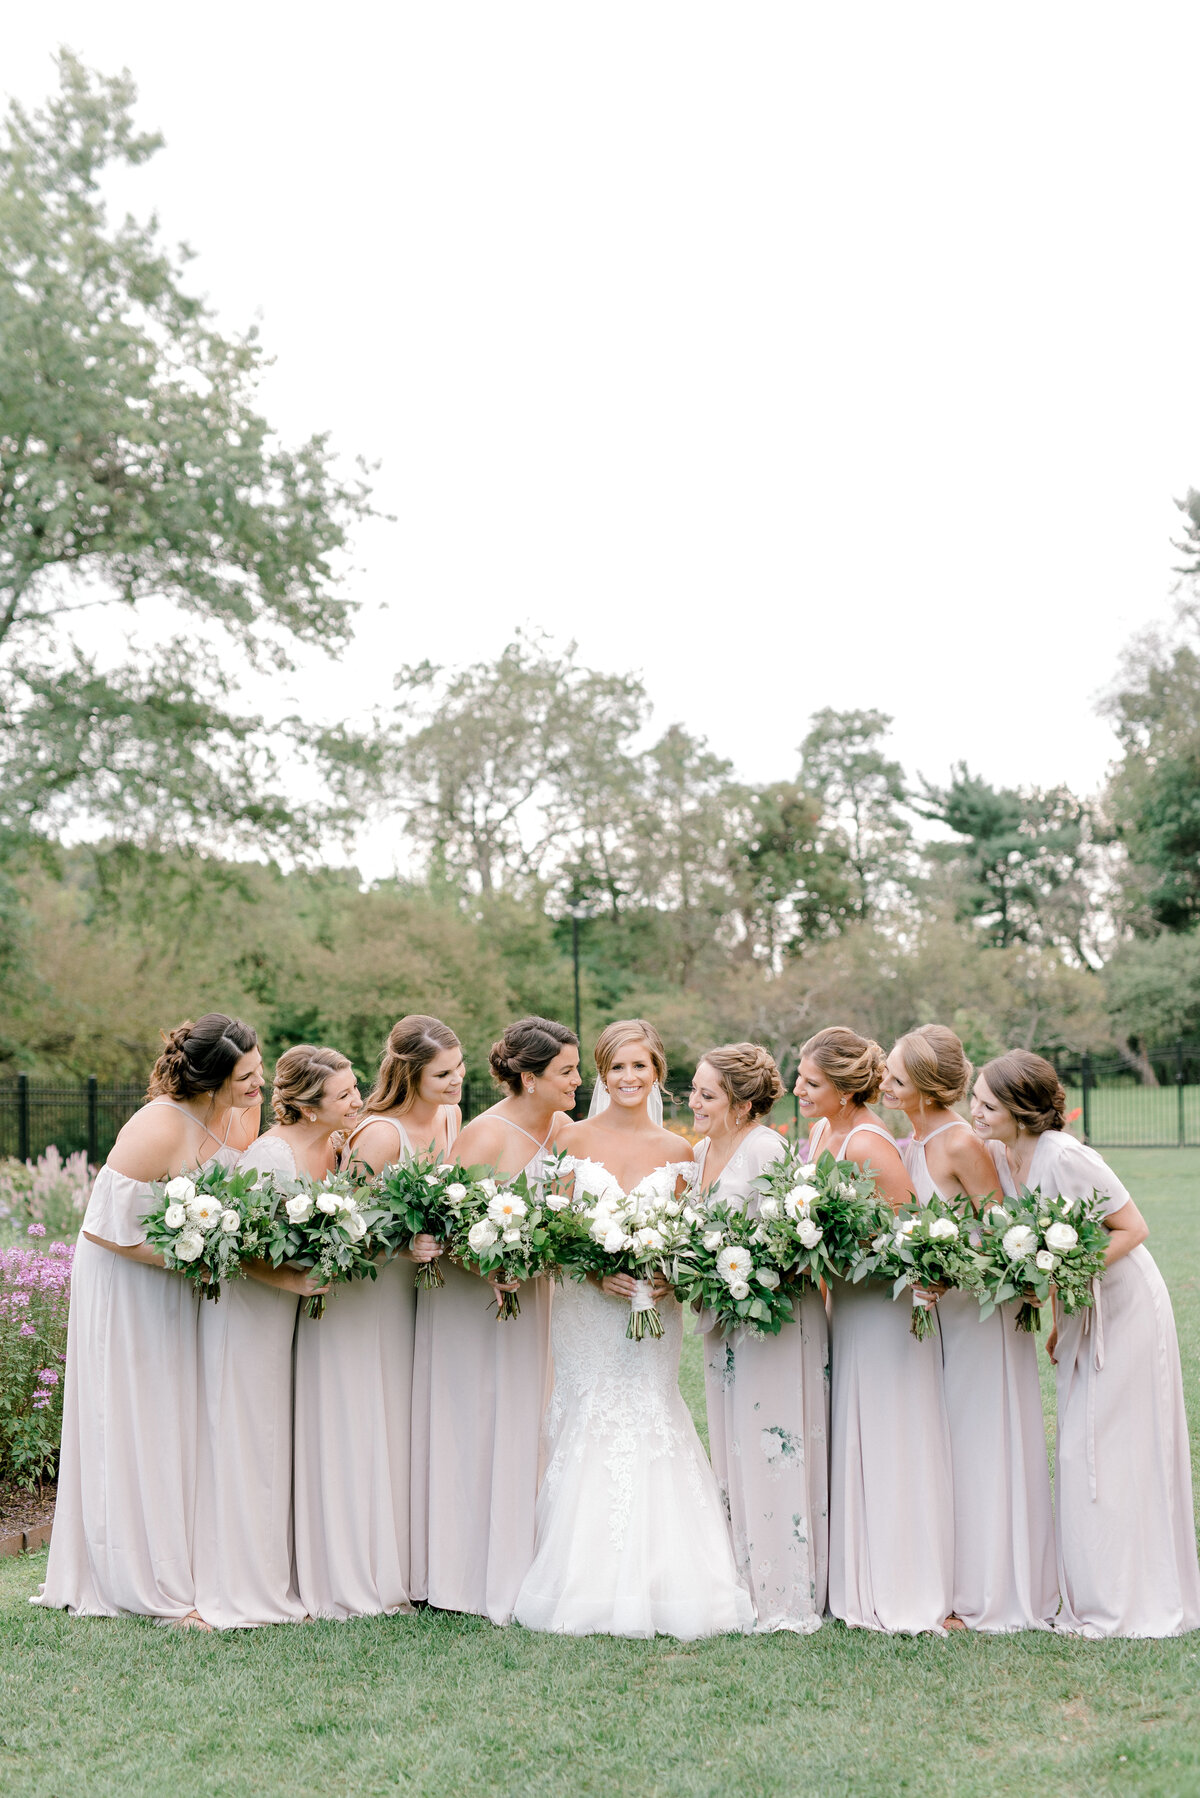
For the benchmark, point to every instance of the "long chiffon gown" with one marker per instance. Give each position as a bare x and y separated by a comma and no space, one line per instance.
243,1534
632,1538
891,1486
1004,1565
1126,1532
479,1390
124,1516
353,1430
768,1429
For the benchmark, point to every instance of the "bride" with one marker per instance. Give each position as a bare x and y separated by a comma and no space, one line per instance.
632,1539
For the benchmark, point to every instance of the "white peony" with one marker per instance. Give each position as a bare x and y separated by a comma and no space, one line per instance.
456,1191
230,1222
1061,1237
768,1277
1019,1242
205,1213
506,1207
299,1209
734,1265
354,1225
614,1240
189,1246
175,1217
738,1289
768,1209
713,1240
482,1235
649,1238
942,1229
329,1202
809,1233
181,1189
1045,1260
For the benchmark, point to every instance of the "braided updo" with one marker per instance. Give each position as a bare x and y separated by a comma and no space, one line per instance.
746,1072
199,1057
852,1063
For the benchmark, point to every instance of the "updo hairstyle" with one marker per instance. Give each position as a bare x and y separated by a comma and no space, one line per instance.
528,1047
199,1057
300,1076
411,1045
852,1063
1028,1087
936,1063
629,1030
746,1072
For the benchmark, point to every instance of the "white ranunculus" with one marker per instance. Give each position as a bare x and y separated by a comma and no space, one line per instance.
175,1217
354,1224
506,1207
1061,1237
329,1202
181,1189
299,1209
768,1277
511,1235
456,1191
738,1289
734,1263
713,1240
488,1188
768,1208
482,1235
556,1201
230,1222
189,1246
942,1229
205,1213
1045,1260
809,1233
614,1240
1019,1242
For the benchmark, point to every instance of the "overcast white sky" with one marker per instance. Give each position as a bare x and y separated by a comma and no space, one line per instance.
793,354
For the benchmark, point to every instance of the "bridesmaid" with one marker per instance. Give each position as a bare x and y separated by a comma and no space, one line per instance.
243,1557
122,1537
355,1540
767,1396
480,1386
1123,1480
891,1493
1004,1573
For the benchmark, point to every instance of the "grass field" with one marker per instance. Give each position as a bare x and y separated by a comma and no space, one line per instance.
440,1704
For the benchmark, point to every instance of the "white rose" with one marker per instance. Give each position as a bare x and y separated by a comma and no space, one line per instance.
431,1180
181,1189
445,1167
456,1191
738,1289
204,1213
488,1188
1045,1260
809,1233
189,1246
1019,1242
713,1240
482,1235
328,1202
942,1229
512,1236
354,1225
768,1209
175,1217
734,1264
230,1222
768,1277
299,1209
1061,1237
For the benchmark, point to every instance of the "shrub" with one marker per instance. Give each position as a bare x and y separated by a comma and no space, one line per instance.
35,1283
48,1191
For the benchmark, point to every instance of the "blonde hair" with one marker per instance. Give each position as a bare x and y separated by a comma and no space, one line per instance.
629,1030
746,1072
852,1063
412,1044
300,1076
936,1063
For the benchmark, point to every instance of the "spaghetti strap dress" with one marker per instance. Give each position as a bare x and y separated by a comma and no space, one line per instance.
891,1489
243,1538
125,1510
1004,1567
767,1399
1126,1532
480,1387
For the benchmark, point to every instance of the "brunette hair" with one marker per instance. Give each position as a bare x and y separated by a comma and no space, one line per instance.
199,1057
411,1045
852,1063
528,1047
1028,1087
746,1072
300,1076
936,1063
630,1030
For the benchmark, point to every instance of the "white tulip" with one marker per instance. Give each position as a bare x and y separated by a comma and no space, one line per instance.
354,1224
175,1217
445,1167
691,1218
181,1189
511,1236
1061,1237
1019,1242
998,1217
488,1188
555,1201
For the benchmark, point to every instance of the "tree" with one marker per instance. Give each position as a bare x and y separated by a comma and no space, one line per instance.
791,887
861,792
134,466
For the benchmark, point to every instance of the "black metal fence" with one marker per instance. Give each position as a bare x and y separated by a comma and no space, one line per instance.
77,1114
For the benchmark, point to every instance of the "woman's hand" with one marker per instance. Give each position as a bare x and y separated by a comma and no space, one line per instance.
1052,1344
422,1249
288,1279
622,1286
499,1286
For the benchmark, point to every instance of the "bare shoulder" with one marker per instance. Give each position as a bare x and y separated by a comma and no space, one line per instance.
573,1136
245,1127
376,1145
677,1147
154,1140
482,1139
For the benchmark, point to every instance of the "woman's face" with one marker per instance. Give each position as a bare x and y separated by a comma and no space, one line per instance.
992,1121
816,1094
244,1087
631,1077
557,1085
898,1092
710,1102
340,1101
442,1078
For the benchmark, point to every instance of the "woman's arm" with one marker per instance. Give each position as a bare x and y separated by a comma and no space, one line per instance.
971,1164
139,1251
1127,1228
882,1162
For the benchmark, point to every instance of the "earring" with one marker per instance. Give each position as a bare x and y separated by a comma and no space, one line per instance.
529,1086
842,1101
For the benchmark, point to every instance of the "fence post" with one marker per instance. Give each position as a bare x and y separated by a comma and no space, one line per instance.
1085,1080
1179,1091
93,1132
22,1117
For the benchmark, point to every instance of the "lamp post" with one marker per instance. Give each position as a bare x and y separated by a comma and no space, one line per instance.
577,913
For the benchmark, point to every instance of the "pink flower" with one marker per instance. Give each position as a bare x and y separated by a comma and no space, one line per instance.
27,1330
48,1377
36,1230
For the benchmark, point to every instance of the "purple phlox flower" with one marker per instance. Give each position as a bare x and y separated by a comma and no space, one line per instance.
27,1330
48,1377
36,1230
19,1299
41,1400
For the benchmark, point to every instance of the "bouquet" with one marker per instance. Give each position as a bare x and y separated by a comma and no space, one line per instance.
497,1228
415,1197
603,1230
317,1224
206,1223
921,1246
1032,1244
815,1217
729,1269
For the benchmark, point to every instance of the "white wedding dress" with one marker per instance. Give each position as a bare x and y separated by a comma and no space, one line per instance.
631,1535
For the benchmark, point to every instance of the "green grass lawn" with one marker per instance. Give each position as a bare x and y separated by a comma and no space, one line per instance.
448,1705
